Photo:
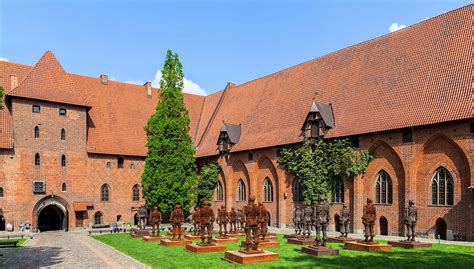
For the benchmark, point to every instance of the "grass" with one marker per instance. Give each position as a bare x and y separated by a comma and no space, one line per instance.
19,244
157,256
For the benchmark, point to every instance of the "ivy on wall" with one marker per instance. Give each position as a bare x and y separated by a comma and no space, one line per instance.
320,164
2,96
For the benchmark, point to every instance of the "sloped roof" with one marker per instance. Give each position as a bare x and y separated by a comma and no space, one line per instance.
232,130
48,81
415,76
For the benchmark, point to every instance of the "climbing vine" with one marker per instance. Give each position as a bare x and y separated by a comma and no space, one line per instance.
320,164
2,96
207,181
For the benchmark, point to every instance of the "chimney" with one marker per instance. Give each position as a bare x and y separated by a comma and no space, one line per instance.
104,79
13,81
230,85
148,88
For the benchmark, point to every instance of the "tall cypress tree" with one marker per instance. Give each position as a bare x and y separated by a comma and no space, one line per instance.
169,177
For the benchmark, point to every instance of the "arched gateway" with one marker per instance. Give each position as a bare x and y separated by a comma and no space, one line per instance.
50,214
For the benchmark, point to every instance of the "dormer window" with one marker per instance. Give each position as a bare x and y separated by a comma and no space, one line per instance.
228,136
62,112
319,120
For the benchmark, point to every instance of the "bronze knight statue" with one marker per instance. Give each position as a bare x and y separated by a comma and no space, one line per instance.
155,219
307,220
206,215
233,220
251,227
411,217
177,219
196,218
142,217
345,220
321,221
240,219
298,220
368,219
262,221
222,219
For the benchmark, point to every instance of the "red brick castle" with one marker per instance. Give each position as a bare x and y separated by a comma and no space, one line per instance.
72,148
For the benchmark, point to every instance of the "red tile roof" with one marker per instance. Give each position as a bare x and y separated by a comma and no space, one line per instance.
48,81
416,76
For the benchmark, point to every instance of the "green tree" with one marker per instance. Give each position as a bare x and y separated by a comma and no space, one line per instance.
320,164
207,182
169,177
2,95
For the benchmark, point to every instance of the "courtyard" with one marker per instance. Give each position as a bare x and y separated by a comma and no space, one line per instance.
157,256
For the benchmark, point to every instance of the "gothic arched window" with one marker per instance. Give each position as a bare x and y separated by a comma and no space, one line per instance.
267,190
98,217
135,193
442,188
37,159
242,193
219,192
63,187
383,188
37,132
104,193
63,160
63,134
297,191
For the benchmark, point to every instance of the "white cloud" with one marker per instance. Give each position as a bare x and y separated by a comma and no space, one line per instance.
395,27
189,85
4,59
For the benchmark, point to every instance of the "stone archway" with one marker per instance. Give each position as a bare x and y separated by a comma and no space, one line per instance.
337,223
383,226
50,213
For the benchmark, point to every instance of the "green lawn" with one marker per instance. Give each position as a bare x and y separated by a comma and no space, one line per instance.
20,243
157,256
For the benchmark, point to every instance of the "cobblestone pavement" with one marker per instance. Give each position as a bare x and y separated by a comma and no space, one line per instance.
65,250
381,237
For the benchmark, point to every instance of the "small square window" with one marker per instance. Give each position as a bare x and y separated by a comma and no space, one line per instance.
36,109
62,112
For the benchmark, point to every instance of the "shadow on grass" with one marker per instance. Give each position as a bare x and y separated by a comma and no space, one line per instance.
397,258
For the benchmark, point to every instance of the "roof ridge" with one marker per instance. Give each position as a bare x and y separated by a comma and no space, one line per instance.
356,44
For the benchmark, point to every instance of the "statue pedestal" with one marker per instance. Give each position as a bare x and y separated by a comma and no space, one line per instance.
301,241
258,256
237,234
224,240
320,251
192,237
367,246
150,238
340,239
138,233
409,244
287,236
182,231
268,244
173,243
271,237
205,248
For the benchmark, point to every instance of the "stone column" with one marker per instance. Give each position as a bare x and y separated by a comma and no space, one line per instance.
358,204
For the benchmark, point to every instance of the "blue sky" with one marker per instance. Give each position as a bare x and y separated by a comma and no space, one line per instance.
218,41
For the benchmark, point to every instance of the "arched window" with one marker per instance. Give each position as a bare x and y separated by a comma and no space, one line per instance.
135,193
64,187
1,192
297,191
219,192
37,132
63,134
63,160
37,159
383,188
442,187
267,190
98,217
338,192
109,165
242,193
104,193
